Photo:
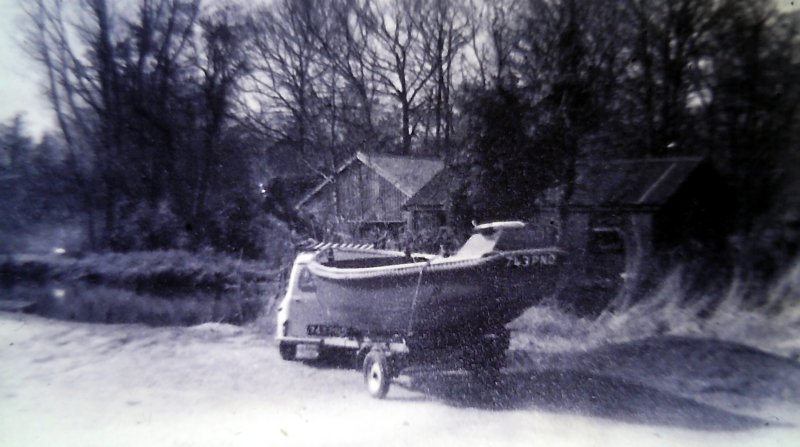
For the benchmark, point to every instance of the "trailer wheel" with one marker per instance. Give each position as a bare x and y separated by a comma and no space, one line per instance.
377,374
288,350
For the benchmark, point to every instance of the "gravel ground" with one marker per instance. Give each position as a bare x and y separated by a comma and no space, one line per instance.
76,384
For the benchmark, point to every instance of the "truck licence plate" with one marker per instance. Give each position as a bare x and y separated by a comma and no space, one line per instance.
324,330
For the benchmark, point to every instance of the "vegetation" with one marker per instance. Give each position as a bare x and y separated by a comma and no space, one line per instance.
158,271
770,322
641,79
155,287
172,115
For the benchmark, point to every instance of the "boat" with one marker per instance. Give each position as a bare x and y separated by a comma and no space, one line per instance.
499,272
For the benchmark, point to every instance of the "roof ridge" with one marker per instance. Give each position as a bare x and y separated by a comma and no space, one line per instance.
326,180
404,156
409,190
373,162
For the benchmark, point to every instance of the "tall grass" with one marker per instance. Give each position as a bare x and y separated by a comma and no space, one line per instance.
158,288
100,304
770,320
153,271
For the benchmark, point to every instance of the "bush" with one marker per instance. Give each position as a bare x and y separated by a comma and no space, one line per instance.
145,228
164,271
170,287
100,304
672,309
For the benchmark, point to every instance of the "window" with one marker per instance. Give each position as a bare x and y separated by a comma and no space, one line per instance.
306,281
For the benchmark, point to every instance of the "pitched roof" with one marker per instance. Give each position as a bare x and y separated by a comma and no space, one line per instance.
617,183
406,173
630,183
324,182
292,187
434,193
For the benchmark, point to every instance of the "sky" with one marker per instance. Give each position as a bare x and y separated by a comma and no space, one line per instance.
21,85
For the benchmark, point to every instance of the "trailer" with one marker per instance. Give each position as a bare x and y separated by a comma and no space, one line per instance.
392,310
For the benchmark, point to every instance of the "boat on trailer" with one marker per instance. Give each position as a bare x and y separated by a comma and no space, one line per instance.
396,308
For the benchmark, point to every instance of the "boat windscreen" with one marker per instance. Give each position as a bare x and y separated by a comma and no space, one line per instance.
478,245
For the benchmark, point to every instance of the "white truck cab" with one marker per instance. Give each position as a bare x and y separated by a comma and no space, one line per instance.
301,314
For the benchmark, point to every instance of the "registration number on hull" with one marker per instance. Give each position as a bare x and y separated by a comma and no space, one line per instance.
528,260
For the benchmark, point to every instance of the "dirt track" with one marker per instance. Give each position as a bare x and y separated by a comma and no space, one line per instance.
79,384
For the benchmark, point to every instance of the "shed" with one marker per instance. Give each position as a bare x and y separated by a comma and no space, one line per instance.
682,199
625,217
628,218
425,209
368,191
673,200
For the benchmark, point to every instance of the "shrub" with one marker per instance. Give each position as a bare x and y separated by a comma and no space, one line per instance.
101,304
159,287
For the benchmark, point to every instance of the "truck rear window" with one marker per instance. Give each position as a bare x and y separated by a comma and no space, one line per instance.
306,281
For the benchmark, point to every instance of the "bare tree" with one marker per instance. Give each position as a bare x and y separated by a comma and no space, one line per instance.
399,56
49,43
343,41
670,41
751,116
142,105
157,62
286,72
492,33
446,27
222,62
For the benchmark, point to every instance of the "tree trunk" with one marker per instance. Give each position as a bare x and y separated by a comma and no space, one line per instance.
406,110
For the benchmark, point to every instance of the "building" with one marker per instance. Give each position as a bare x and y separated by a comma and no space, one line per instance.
426,208
367,192
625,219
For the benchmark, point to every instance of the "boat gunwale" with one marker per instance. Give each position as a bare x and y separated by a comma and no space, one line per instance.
435,264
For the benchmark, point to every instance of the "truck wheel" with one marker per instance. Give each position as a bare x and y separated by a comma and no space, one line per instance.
377,374
288,350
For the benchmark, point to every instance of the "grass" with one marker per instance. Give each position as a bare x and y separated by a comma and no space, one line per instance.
156,271
158,288
182,288
773,324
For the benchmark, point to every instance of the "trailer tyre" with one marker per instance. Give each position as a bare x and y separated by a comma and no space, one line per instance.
377,374
288,350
